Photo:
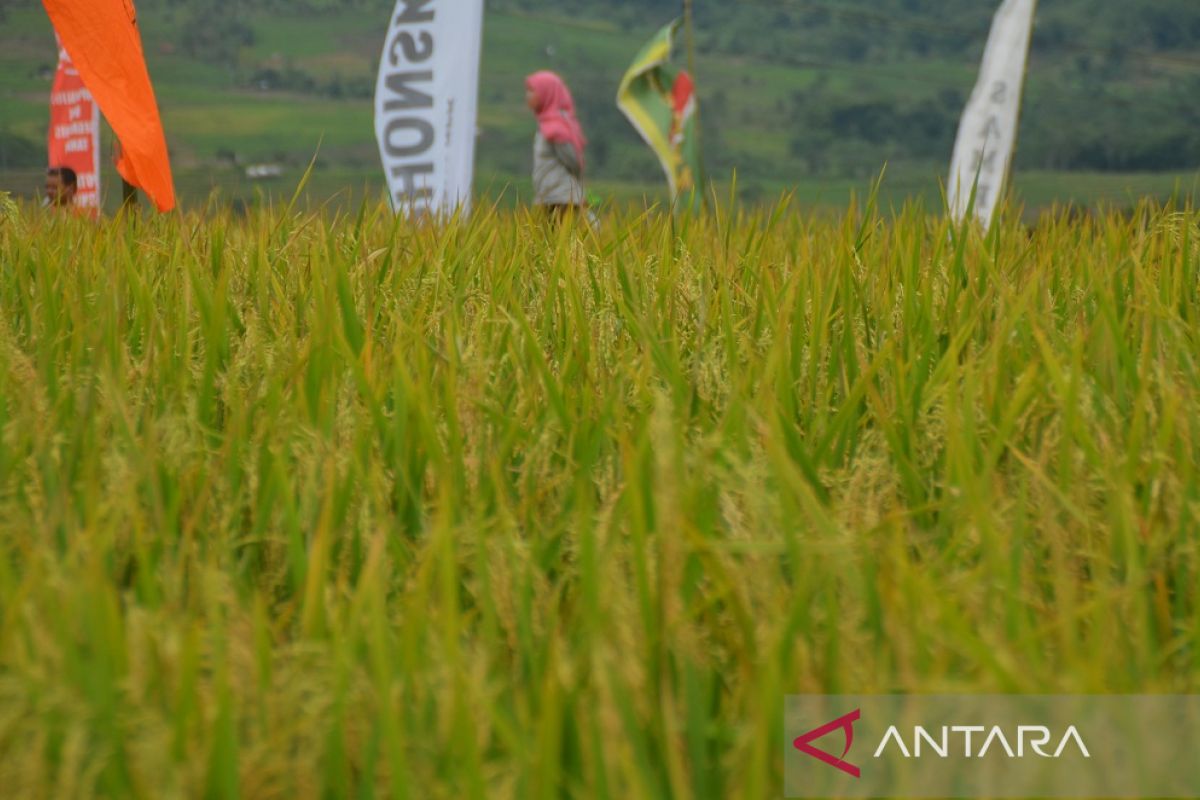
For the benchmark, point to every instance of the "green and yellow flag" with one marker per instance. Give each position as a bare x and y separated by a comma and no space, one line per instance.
660,101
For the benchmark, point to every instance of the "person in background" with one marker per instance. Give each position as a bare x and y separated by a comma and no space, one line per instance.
61,185
558,161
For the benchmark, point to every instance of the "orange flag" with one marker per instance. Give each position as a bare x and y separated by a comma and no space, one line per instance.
103,40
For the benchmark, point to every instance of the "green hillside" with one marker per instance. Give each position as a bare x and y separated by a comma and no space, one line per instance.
808,96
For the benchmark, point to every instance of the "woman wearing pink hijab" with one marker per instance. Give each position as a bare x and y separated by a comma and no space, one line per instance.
558,147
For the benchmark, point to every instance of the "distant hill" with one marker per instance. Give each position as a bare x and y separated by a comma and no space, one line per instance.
815,94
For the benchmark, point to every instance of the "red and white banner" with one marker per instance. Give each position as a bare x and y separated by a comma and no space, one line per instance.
74,139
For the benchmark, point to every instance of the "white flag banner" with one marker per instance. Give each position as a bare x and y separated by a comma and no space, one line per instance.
426,104
987,135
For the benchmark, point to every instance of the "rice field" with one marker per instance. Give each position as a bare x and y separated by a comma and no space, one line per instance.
310,505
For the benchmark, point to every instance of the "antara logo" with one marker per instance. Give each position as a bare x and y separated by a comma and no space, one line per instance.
843,723
1035,736
1029,739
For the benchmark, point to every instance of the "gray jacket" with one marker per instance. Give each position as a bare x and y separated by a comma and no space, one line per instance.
557,173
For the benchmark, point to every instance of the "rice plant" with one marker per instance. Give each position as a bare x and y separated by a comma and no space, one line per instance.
303,505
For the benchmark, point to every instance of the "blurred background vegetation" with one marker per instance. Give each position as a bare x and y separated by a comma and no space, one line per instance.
811,97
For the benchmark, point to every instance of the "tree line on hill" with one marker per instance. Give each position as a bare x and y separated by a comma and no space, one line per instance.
1113,84
856,29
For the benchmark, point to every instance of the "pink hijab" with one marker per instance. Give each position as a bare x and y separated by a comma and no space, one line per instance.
556,110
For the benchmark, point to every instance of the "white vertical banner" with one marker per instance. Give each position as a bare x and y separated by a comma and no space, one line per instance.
987,135
426,104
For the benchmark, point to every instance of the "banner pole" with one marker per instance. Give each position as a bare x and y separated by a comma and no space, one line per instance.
690,33
129,195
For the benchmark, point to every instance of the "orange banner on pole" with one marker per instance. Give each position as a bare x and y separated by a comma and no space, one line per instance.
105,46
74,138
